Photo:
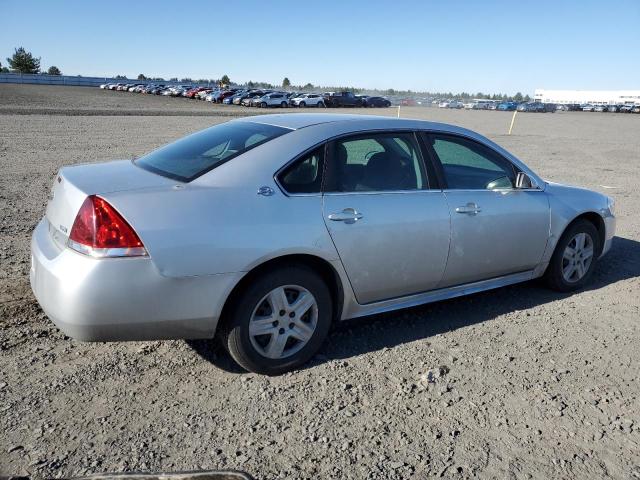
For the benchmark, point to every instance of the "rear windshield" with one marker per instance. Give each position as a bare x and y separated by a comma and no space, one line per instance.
195,155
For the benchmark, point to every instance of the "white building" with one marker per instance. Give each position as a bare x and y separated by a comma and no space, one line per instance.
595,97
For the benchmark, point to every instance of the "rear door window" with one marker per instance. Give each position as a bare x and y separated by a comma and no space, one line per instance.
375,162
195,155
305,174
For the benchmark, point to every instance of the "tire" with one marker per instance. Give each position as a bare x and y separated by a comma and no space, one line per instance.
320,104
559,265
250,350
302,104
263,105
283,104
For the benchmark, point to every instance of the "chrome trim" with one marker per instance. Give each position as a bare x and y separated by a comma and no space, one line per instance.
355,310
106,252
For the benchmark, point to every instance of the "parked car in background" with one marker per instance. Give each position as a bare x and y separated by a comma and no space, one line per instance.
561,108
307,100
588,107
507,106
600,108
626,108
635,109
612,108
327,237
274,99
456,104
537,107
444,104
378,102
408,102
343,99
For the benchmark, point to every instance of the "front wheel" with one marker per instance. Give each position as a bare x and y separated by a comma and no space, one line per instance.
283,104
574,258
302,104
320,105
280,321
263,105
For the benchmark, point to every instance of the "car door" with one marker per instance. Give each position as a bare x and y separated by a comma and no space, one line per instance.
496,229
390,229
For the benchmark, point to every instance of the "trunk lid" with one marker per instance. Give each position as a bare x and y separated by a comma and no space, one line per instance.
75,183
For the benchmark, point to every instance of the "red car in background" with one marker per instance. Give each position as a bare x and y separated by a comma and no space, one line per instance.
192,93
408,102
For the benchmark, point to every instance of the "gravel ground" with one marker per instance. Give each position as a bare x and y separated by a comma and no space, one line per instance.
516,383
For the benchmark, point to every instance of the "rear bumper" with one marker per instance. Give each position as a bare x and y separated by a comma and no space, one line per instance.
118,299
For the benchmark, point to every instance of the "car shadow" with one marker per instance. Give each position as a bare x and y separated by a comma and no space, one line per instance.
366,334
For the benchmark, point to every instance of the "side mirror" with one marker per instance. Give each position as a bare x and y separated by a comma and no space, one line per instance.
524,181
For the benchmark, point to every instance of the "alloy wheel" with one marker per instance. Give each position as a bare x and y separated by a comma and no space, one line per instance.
577,257
283,321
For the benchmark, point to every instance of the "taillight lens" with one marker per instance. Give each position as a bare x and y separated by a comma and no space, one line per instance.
100,231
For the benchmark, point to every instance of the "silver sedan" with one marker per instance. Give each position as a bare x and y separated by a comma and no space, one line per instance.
265,230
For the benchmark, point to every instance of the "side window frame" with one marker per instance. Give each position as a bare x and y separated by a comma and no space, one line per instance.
301,158
427,137
428,183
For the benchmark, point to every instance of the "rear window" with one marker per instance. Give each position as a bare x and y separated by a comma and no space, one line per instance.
195,155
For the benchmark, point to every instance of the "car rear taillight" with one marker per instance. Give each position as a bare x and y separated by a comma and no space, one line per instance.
100,231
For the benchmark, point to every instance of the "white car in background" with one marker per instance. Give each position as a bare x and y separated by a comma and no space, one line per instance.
308,100
444,104
273,99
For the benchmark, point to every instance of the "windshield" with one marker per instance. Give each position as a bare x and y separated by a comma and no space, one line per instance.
195,155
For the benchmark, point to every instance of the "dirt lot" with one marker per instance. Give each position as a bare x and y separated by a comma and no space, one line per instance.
536,384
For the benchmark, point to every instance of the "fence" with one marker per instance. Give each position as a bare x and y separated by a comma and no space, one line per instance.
39,79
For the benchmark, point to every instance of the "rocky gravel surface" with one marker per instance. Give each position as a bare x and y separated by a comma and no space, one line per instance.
516,383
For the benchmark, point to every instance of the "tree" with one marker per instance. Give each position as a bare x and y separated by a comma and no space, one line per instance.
308,86
141,77
120,76
225,80
286,83
53,70
527,98
3,69
518,97
24,62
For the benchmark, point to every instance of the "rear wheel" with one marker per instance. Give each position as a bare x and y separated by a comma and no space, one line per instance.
320,105
263,105
280,321
574,259
302,104
283,104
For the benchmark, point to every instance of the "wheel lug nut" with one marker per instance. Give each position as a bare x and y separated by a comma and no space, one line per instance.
282,312
281,331
291,325
292,314
276,323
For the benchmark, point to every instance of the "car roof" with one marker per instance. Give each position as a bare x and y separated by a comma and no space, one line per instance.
296,121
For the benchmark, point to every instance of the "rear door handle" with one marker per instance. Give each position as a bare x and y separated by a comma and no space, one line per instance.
348,215
469,209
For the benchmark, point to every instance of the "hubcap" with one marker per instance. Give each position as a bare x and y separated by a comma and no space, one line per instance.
577,257
283,322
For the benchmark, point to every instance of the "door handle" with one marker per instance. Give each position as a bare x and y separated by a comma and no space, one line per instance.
469,209
348,215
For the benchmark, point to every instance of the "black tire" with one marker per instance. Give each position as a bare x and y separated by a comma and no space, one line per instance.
302,104
553,275
283,104
235,332
263,105
320,105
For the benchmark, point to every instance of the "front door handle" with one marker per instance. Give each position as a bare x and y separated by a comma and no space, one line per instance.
348,215
469,209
